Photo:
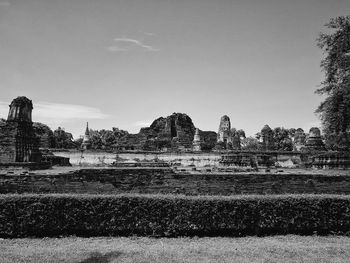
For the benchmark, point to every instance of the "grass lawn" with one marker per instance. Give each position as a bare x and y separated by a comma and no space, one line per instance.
141,249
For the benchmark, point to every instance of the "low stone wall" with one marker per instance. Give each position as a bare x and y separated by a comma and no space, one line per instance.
99,158
331,160
164,180
88,158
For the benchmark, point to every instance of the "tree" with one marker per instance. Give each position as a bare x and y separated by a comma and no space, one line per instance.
240,133
208,140
45,135
282,139
251,144
63,139
95,139
334,111
108,138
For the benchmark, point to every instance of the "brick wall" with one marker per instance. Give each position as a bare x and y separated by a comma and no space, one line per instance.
163,180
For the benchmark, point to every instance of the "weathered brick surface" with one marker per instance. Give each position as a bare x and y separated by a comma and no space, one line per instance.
18,142
163,180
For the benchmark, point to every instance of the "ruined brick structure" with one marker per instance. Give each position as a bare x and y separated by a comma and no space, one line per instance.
181,130
314,141
267,138
228,138
173,132
18,142
224,133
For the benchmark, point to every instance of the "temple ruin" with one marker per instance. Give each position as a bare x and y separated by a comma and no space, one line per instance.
18,142
268,143
224,133
314,141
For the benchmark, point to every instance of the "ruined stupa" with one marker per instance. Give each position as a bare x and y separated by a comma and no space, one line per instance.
267,138
314,141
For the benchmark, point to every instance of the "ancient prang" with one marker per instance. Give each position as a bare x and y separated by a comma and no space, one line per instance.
18,142
197,141
267,138
224,133
229,137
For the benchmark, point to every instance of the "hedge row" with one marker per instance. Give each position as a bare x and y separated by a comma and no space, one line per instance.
125,215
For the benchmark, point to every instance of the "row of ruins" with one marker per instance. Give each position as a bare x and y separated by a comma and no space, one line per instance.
19,144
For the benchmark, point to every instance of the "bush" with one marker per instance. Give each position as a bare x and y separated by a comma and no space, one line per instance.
125,215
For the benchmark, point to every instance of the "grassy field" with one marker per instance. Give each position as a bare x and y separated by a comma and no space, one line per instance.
106,250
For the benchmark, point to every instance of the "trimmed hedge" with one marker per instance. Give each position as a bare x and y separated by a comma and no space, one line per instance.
156,215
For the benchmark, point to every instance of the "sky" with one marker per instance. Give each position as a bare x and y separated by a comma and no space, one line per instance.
124,63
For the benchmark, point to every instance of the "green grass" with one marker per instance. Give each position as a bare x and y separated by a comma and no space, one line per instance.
250,249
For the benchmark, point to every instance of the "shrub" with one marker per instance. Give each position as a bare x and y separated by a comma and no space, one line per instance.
125,215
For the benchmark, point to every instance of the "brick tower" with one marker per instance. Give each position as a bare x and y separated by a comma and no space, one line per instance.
18,142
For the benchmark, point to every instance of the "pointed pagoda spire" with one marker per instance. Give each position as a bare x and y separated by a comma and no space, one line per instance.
87,129
86,139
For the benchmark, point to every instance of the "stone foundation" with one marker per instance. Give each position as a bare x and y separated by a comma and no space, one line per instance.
164,180
331,160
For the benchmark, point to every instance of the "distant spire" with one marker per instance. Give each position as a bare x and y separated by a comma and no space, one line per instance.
86,139
87,129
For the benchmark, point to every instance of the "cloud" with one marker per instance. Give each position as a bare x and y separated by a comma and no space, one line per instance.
143,123
5,4
55,113
124,44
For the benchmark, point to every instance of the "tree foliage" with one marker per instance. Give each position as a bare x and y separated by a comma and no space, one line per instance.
45,135
282,139
251,144
63,139
334,111
106,139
